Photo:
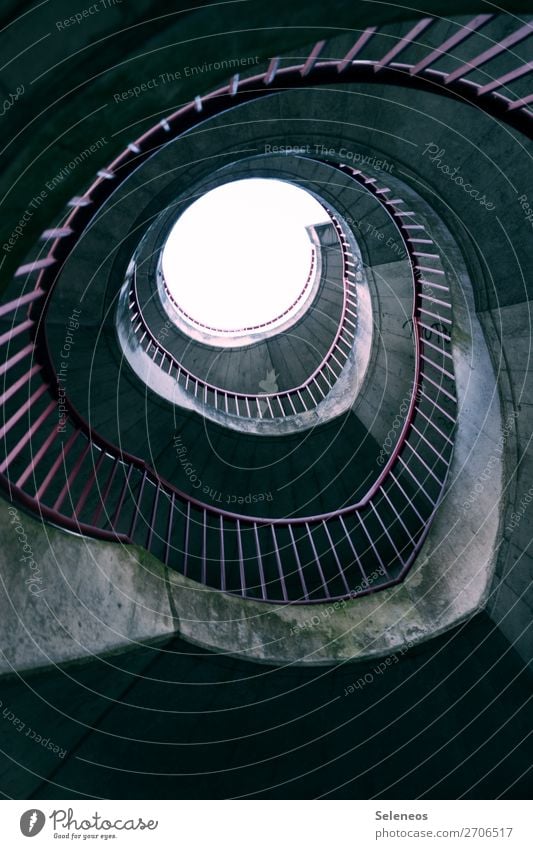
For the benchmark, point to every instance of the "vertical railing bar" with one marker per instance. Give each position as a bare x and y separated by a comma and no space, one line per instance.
387,534
298,564
336,557
354,552
137,505
399,516
105,494
407,498
460,35
437,406
374,549
292,405
169,528
419,485
428,443
186,539
18,384
28,436
278,564
222,554
421,460
204,546
260,563
36,459
118,509
304,405
88,486
71,477
241,559
317,561
437,428
152,518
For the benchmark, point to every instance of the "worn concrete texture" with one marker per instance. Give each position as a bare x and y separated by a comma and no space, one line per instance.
109,597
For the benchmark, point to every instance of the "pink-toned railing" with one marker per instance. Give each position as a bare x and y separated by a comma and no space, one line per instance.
263,405
77,480
253,328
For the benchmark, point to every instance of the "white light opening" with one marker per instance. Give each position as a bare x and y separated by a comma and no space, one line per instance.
240,256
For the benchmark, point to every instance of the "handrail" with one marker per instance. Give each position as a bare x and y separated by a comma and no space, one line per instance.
239,330
42,281
348,292
427,386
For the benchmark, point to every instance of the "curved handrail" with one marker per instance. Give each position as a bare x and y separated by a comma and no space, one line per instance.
349,300
312,72
241,330
45,284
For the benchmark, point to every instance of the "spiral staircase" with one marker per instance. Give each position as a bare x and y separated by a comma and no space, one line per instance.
335,487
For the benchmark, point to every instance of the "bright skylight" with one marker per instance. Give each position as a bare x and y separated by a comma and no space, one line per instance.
240,255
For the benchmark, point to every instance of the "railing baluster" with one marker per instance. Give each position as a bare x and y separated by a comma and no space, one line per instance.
501,46
373,547
170,521
14,305
241,559
336,557
464,31
436,427
15,331
398,516
262,581
63,453
32,430
16,358
36,265
137,506
387,534
118,509
204,546
417,482
357,47
36,458
272,71
403,42
312,58
152,518
105,494
407,497
279,564
428,443
71,477
298,564
421,460
186,539
88,486
222,554
317,561
22,410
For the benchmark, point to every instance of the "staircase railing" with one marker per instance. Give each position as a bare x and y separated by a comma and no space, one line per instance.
263,405
77,480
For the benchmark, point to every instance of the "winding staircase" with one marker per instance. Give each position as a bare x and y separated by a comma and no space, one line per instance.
69,460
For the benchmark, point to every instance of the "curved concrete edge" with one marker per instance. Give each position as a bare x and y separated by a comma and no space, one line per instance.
339,399
72,598
451,578
278,326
